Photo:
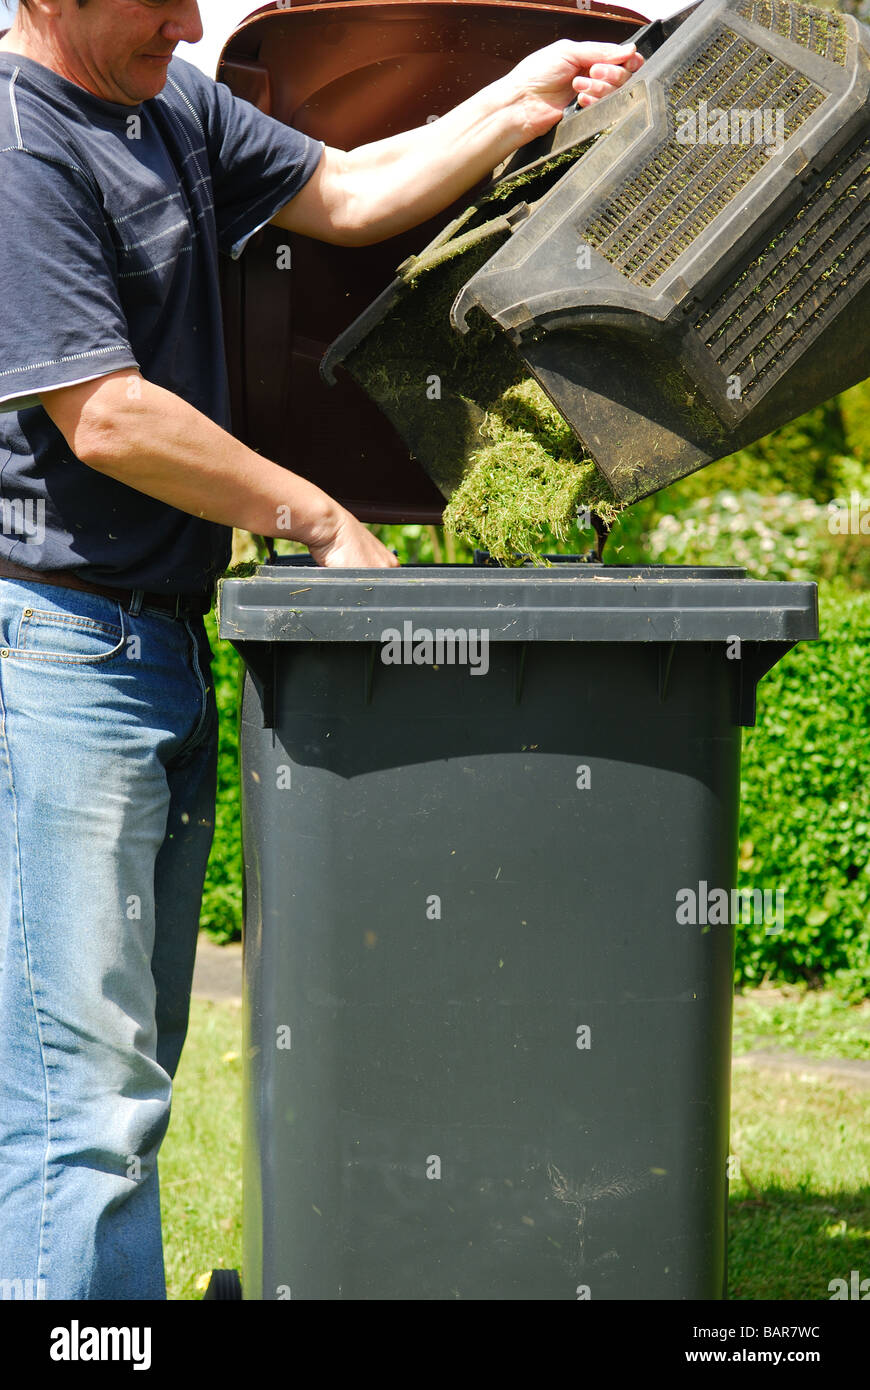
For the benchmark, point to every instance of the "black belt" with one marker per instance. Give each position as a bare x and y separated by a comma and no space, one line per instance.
179,605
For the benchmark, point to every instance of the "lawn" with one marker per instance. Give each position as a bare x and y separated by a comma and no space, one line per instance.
815,1023
800,1207
800,1199
201,1159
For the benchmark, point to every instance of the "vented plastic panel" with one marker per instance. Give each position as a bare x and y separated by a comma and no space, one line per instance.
657,214
820,30
785,296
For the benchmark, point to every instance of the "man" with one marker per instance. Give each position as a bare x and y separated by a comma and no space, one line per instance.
124,173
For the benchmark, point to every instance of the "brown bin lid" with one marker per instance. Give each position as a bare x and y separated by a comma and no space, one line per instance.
348,73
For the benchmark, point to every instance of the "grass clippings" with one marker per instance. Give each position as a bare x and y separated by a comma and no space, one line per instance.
530,478
512,470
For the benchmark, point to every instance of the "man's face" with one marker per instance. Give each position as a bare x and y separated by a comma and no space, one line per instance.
120,49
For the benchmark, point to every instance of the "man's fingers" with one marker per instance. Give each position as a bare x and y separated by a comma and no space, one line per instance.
604,78
608,72
624,70
597,87
588,53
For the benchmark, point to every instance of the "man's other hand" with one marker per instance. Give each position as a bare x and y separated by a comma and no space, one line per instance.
548,79
348,544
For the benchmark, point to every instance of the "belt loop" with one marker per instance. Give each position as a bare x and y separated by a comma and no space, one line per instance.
134,607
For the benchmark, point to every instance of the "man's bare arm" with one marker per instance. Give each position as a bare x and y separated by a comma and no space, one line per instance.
152,440
365,195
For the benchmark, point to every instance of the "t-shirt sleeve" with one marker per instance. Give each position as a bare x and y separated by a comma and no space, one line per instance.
61,321
257,164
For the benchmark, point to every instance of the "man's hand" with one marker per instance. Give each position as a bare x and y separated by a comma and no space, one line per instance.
349,545
546,81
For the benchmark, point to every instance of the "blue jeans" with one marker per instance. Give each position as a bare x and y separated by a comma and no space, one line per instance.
108,751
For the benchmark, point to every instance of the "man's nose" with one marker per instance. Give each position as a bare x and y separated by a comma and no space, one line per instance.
184,25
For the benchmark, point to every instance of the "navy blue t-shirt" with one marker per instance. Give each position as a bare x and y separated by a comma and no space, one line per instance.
111,221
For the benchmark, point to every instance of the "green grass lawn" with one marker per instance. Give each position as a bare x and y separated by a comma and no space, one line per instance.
815,1023
800,1204
800,1208
201,1159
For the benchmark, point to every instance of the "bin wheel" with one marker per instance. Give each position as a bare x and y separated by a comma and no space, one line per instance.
225,1285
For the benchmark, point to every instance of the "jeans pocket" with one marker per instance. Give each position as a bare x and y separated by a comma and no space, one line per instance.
44,635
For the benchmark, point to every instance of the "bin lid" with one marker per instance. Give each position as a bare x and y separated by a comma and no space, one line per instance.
348,73
299,602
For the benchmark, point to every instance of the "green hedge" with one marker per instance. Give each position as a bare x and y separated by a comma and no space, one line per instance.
805,819
222,897
805,807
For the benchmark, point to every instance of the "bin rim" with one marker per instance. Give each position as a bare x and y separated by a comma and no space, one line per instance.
573,603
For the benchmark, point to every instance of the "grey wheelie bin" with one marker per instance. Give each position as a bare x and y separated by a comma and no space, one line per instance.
487,1003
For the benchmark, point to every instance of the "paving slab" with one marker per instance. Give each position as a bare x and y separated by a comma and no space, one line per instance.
217,973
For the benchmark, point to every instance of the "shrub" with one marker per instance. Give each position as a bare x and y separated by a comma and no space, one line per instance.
777,537
805,805
221,914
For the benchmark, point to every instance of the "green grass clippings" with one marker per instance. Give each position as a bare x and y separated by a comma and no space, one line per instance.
503,457
531,476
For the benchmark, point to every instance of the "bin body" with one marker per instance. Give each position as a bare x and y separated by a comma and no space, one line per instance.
484,1056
